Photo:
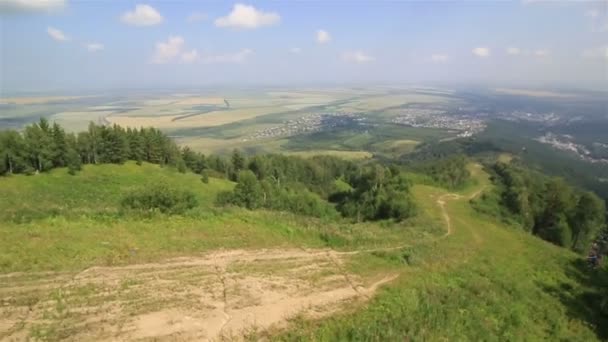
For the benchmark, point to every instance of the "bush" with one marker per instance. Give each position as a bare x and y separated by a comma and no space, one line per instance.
161,198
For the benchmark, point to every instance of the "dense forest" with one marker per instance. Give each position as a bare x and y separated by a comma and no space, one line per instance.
546,206
360,192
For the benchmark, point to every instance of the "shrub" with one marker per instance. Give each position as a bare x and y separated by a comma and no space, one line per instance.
161,198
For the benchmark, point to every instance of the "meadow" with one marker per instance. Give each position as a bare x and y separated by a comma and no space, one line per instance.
448,273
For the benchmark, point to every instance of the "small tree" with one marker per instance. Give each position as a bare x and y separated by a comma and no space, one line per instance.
204,177
74,162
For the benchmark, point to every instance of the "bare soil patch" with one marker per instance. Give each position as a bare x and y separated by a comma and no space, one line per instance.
219,295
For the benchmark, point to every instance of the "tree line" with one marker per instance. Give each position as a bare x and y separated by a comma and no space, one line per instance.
273,181
548,207
308,186
449,172
43,146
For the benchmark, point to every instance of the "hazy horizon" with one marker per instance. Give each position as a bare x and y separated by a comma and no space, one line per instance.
58,45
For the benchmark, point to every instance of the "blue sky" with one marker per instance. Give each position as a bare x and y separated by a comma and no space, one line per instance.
66,45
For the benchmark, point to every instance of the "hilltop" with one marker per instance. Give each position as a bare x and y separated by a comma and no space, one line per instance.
75,265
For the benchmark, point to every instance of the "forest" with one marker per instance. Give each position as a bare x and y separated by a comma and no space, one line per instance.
546,206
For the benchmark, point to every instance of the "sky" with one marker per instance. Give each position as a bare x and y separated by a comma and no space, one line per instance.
105,44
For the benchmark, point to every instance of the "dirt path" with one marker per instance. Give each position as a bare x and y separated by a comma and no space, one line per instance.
441,202
220,295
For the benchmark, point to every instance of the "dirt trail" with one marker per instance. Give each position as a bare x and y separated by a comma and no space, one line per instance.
220,295
441,201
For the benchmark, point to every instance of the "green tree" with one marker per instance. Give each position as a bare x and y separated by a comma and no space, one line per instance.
588,219
39,141
12,152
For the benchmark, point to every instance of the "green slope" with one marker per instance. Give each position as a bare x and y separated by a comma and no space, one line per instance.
54,221
482,281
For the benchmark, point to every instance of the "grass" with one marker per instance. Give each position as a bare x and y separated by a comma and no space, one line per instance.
484,281
54,221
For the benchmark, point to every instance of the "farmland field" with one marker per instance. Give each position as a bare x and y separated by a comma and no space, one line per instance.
268,120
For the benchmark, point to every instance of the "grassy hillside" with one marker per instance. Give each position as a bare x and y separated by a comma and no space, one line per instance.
54,221
482,282
461,275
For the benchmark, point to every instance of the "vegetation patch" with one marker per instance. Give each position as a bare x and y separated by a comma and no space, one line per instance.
160,197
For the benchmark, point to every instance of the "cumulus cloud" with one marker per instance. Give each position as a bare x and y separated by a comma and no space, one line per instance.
481,52
598,52
592,13
56,34
247,17
173,50
295,50
196,17
439,58
20,6
93,47
236,57
598,18
167,51
190,56
541,53
323,37
142,15
357,57
513,51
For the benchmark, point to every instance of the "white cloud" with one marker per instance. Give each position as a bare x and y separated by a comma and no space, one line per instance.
169,50
357,57
592,13
439,58
295,50
323,37
541,53
599,52
237,57
196,17
598,17
16,6
57,34
247,17
190,56
142,15
93,47
513,51
481,52
173,50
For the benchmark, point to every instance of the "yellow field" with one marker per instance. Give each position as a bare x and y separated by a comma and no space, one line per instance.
78,121
211,145
349,155
210,119
397,147
193,101
39,100
532,93
381,102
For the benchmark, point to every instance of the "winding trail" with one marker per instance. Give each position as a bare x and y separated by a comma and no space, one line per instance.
220,295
